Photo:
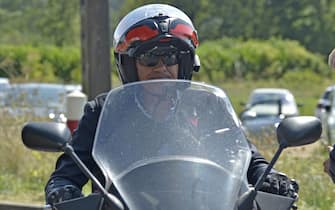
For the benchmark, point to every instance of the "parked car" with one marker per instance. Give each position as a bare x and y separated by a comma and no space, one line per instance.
325,110
266,108
289,105
324,101
40,100
4,86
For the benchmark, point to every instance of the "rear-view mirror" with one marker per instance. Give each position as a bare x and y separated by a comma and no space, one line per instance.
45,136
299,131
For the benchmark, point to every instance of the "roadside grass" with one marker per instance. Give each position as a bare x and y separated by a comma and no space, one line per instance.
23,172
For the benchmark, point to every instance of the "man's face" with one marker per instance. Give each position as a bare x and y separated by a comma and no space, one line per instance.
157,67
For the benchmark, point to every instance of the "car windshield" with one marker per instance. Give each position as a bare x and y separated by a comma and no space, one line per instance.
172,144
326,94
267,102
258,97
263,110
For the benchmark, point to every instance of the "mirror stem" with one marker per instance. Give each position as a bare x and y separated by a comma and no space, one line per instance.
111,199
246,200
269,167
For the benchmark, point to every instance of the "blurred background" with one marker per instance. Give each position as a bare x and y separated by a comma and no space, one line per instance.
244,45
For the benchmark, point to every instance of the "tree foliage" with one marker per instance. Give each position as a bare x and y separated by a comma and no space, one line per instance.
39,22
308,21
54,22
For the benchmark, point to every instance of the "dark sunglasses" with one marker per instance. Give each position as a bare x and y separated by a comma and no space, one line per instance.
151,60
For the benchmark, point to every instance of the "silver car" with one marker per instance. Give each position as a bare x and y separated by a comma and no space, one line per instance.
324,102
42,100
289,105
325,110
265,109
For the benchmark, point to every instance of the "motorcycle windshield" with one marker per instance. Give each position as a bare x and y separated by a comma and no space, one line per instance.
172,144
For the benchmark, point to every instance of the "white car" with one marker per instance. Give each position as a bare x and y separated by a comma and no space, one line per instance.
41,100
289,105
266,108
325,110
324,102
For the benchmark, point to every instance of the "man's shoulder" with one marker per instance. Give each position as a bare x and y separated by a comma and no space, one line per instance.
97,102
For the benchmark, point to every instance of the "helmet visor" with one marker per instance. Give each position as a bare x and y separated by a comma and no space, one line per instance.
147,30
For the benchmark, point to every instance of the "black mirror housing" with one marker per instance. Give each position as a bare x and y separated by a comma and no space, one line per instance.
298,131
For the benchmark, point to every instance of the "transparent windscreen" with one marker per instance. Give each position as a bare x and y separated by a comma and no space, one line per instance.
172,144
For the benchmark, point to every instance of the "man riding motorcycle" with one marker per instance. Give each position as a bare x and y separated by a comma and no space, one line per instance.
154,41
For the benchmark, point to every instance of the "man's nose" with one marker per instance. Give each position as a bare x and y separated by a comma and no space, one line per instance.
161,66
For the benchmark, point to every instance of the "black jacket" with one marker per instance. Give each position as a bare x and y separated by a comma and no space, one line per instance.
67,172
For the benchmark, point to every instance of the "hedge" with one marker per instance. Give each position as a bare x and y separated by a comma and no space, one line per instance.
221,60
228,59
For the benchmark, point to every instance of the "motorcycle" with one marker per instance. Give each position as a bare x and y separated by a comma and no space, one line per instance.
172,144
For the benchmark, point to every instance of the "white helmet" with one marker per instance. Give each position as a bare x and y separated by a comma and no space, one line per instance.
158,29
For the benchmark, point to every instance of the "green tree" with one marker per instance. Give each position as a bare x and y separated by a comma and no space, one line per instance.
61,22
40,21
308,21
57,22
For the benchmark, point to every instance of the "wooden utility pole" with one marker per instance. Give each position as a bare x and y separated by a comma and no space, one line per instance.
95,47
